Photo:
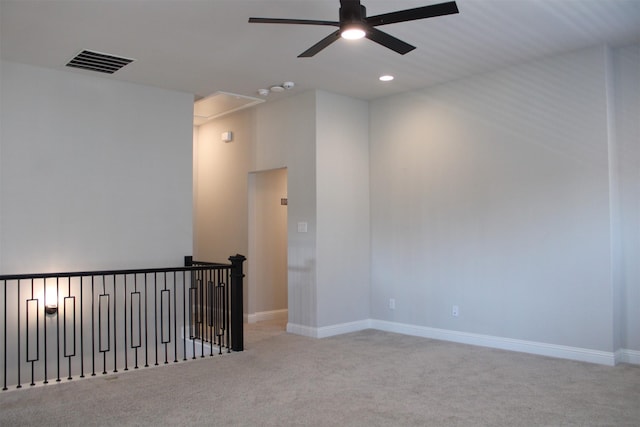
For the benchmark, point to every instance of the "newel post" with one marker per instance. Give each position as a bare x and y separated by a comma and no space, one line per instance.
237,312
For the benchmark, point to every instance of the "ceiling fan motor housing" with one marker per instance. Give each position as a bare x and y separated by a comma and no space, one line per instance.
352,16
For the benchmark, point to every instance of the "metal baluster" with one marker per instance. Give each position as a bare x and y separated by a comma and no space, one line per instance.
192,299
146,324
162,326
37,334
44,298
222,310
58,330
19,385
227,310
203,312
216,308
71,354
216,311
124,346
135,292
81,329
184,313
104,352
175,317
115,327
155,311
5,337
210,311
93,328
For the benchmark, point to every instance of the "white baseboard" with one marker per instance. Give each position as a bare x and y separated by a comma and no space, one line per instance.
531,347
328,331
266,315
628,356
343,328
305,331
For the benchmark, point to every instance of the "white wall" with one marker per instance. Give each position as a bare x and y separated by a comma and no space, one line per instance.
286,137
95,173
278,134
220,187
342,182
626,77
1,97
492,193
322,140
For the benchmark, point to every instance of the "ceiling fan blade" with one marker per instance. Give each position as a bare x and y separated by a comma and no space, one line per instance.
388,41
430,11
292,21
320,45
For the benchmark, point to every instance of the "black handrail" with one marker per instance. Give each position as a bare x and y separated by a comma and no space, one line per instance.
198,266
119,314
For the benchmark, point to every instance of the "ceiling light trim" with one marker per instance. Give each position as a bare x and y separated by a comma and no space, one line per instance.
213,106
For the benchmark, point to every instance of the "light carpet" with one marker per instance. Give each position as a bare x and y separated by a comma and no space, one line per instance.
367,378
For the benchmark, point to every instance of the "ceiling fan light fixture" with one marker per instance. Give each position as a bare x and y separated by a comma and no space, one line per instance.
352,33
354,23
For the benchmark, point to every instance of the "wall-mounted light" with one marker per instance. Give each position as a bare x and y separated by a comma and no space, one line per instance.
51,300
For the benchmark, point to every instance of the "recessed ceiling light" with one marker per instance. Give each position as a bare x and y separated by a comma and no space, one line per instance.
386,78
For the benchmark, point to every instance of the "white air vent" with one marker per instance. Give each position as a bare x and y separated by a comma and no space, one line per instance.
100,62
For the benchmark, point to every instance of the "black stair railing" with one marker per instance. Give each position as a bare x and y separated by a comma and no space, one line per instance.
62,325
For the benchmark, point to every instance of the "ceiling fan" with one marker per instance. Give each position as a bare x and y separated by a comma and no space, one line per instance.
354,24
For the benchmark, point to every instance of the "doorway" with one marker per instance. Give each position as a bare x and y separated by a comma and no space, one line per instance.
267,258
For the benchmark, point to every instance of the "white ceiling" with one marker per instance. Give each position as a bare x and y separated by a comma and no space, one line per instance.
206,46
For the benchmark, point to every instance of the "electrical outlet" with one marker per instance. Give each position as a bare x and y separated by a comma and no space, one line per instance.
455,311
392,304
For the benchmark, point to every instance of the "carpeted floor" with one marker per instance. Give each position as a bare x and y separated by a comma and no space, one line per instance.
368,378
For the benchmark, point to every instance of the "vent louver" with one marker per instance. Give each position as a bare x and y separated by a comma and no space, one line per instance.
100,62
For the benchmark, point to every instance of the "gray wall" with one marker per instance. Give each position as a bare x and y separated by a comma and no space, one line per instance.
322,140
285,137
342,180
275,135
512,194
626,78
95,173
492,193
220,187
